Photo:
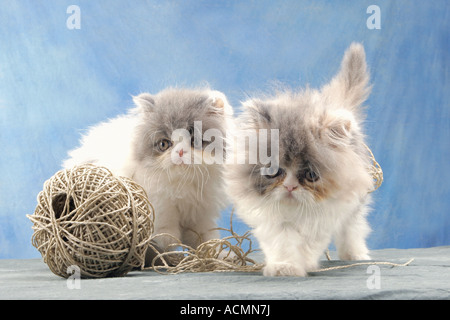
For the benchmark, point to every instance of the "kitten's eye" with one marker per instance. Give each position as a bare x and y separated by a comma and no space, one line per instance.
196,142
276,174
164,144
311,176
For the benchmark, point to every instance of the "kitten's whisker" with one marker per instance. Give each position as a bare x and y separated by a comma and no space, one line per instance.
200,180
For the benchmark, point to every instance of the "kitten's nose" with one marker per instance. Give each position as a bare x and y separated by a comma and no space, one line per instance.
180,153
290,188
290,182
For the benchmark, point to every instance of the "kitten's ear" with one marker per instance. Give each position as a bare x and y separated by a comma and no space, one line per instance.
144,101
219,103
336,127
351,85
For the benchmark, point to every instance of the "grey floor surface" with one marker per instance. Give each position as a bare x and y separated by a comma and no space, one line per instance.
427,277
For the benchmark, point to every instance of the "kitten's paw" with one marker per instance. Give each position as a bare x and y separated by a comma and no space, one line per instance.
354,256
283,269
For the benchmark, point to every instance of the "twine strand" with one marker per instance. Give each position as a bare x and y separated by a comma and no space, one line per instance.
375,170
366,264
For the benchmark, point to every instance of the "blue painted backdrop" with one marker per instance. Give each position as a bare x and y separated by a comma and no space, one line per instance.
54,82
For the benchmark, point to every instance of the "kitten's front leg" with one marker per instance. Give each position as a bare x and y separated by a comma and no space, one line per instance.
193,236
166,222
202,226
350,239
283,255
170,226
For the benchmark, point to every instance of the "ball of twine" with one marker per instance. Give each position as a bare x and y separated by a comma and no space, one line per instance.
90,218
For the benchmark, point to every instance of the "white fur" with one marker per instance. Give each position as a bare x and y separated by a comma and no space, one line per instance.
107,144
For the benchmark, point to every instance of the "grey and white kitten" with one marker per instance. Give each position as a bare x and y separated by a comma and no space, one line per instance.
320,190
185,190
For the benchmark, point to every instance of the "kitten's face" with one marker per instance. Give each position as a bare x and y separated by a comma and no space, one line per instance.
171,135
321,145
308,159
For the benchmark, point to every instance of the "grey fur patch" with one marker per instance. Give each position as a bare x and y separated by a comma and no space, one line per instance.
174,109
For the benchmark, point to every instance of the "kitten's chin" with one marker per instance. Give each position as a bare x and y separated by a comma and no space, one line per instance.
293,198
180,162
181,165
290,197
180,168
183,168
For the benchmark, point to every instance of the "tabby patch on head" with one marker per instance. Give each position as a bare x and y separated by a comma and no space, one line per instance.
302,171
321,151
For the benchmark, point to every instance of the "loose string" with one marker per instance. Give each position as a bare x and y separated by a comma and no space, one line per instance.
220,255
366,264
375,170
216,255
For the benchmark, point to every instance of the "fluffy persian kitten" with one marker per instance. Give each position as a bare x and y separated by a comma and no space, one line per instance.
320,190
182,182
